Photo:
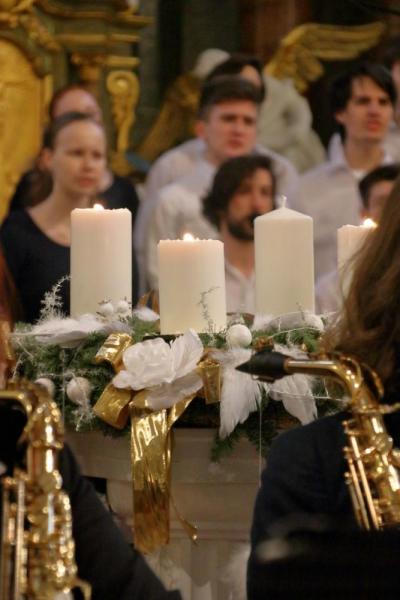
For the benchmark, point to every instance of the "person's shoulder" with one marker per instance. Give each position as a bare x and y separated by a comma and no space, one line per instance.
189,150
317,173
278,159
16,221
324,432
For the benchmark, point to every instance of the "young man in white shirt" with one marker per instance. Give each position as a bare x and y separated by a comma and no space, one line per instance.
243,189
362,102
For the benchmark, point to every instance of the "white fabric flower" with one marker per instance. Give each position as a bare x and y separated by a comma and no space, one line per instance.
154,362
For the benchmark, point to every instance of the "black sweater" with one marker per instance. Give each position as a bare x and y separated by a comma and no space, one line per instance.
36,264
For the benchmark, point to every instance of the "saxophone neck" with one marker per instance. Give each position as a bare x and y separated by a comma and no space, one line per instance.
353,375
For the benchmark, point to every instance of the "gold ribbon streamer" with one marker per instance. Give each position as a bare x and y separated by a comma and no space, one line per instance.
150,447
151,472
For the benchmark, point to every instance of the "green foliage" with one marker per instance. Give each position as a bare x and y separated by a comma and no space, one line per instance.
35,360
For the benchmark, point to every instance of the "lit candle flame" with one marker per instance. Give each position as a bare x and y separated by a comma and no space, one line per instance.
187,237
369,223
98,206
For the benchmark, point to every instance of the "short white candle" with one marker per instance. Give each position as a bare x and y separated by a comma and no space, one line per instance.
284,262
350,239
101,257
191,285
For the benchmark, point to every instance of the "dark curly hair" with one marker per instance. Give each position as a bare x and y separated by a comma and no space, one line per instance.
227,181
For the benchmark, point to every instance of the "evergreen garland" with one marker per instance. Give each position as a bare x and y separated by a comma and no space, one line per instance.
36,360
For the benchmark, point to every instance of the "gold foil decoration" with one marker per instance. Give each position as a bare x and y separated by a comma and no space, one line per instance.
150,448
210,372
113,406
151,472
113,349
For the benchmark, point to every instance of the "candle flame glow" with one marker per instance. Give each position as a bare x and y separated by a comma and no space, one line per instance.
187,237
369,223
98,206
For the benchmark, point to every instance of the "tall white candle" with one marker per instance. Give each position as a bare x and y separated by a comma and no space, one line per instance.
284,262
101,258
191,285
350,239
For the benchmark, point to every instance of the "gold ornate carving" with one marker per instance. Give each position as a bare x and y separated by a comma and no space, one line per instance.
128,17
301,52
10,9
15,6
22,94
127,62
89,66
123,87
38,33
96,39
175,120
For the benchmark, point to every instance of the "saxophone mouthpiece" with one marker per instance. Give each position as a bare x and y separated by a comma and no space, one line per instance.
266,365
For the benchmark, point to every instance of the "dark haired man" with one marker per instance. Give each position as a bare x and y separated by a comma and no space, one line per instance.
243,189
226,128
362,102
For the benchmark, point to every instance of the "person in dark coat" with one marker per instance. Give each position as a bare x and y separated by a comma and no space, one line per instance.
303,523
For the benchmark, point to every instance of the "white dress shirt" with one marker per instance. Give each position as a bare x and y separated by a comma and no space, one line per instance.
240,290
329,194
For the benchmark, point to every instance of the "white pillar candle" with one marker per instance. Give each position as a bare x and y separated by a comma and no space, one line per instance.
101,257
350,239
284,262
191,285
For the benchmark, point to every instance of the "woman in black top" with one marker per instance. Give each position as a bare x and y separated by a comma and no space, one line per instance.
34,186
36,241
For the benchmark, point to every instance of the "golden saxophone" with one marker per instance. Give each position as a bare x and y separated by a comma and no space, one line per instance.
373,474
37,548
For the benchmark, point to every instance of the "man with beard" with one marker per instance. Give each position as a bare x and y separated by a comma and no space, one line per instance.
243,188
227,128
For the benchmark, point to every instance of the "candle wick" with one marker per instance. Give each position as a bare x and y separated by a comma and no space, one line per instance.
282,201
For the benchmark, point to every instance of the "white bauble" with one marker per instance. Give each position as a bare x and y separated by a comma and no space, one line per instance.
123,308
238,336
48,384
106,309
79,390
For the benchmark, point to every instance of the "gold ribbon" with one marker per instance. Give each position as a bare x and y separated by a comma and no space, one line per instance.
150,449
210,372
113,404
151,472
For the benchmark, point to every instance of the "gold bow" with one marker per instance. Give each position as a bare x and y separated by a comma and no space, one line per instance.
150,443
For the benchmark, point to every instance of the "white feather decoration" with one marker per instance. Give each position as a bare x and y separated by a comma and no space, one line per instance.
240,394
295,390
69,332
